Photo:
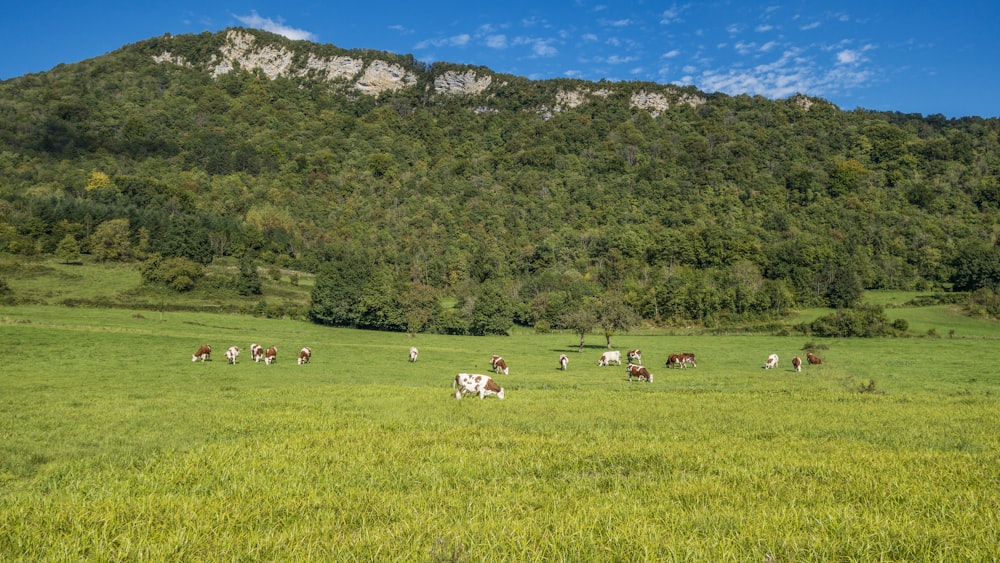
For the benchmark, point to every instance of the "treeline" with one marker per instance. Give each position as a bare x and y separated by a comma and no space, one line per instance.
467,214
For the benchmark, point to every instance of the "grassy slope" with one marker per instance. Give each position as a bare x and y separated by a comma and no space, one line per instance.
114,445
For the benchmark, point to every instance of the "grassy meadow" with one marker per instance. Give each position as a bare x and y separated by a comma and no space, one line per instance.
114,445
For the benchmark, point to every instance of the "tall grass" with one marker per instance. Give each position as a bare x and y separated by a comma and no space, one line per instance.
115,446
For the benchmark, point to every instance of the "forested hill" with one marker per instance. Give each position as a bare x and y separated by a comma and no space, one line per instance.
405,185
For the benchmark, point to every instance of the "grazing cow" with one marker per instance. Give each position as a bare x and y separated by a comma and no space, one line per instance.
563,360
499,364
772,362
413,353
231,354
638,372
678,360
797,363
305,355
813,359
608,357
482,385
271,355
256,352
635,356
688,358
204,353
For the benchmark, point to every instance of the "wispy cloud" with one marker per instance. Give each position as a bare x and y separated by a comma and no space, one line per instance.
792,72
256,21
459,40
496,41
673,14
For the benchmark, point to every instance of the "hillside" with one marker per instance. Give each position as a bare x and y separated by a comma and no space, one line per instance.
403,186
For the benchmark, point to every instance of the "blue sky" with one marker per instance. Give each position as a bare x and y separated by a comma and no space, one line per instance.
908,56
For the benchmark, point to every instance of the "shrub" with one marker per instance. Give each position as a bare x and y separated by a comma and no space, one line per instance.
866,321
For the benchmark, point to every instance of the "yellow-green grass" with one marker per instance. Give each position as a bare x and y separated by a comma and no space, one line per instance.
115,446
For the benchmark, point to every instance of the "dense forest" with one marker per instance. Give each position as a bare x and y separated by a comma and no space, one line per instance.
467,213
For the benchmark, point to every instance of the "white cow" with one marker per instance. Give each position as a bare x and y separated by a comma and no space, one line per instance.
413,353
772,362
563,360
608,357
474,383
231,354
271,355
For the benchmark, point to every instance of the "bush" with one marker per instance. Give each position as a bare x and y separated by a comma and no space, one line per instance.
179,274
866,321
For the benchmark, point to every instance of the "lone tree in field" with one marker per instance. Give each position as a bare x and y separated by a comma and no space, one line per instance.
68,250
582,320
615,316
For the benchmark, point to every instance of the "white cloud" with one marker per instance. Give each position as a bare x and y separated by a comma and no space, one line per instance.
496,41
672,15
460,40
267,24
671,54
616,60
848,56
792,72
542,48
809,26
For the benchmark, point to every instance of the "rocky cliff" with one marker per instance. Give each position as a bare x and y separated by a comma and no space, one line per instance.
244,50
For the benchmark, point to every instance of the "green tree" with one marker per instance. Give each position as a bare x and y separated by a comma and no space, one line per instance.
110,241
582,319
492,312
248,281
340,284
615,316
379,305
68,250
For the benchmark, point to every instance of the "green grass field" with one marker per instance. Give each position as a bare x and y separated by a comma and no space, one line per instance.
115,446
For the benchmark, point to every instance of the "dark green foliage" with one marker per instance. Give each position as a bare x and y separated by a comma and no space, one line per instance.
177,273
866,321
492,312
248,281
729,211
976,265
340,284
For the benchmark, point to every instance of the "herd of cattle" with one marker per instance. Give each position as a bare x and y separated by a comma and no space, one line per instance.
257,353
484,385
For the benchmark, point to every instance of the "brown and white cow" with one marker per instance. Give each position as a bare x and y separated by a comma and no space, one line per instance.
772,362
634,356
563,361
608,357
413,353
797,363
231,354
305,355
204,353
256,352
676,360
271,355
813,359
638,372
499,364
688,358
474,383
